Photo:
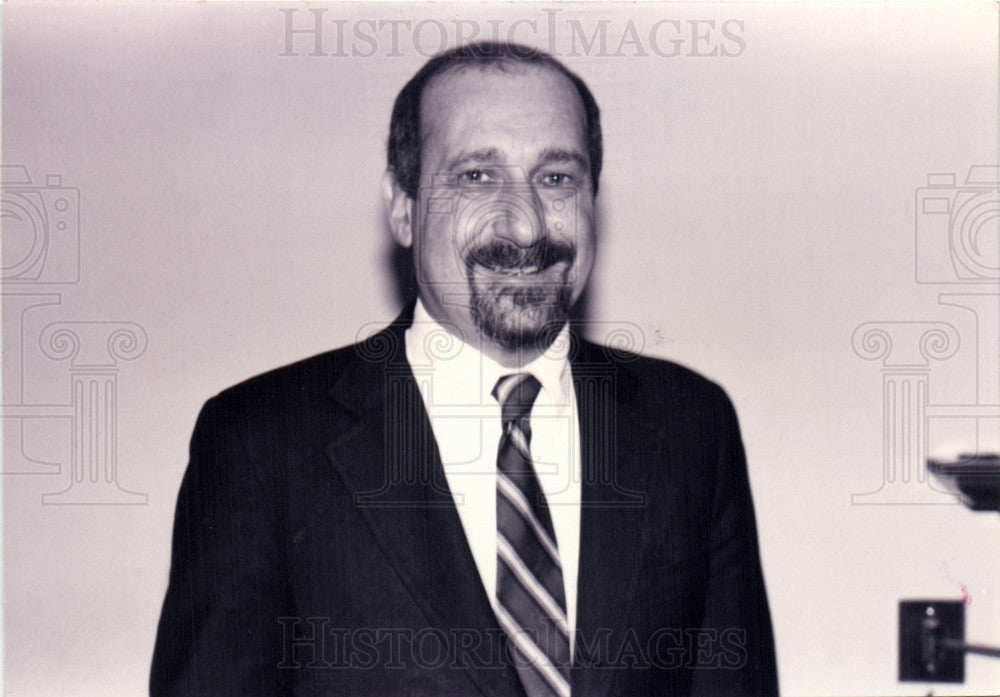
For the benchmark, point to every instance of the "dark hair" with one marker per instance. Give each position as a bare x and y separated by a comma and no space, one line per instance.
404,129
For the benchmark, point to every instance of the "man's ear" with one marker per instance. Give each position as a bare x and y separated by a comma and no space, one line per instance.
398,208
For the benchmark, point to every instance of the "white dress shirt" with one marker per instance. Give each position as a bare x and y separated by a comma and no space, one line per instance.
456,382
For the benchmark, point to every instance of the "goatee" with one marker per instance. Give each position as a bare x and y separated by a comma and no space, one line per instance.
521,296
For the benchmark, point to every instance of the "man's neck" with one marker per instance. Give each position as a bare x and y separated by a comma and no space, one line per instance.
513,359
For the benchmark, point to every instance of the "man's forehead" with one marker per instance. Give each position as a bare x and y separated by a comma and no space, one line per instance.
471,92
519,77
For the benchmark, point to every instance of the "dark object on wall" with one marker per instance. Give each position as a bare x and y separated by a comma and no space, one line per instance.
975,477
924,628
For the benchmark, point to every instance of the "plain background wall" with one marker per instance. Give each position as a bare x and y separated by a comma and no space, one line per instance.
756,210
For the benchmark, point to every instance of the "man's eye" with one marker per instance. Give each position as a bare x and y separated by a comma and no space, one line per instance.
556,179
476,176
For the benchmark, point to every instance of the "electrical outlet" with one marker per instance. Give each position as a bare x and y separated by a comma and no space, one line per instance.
928,633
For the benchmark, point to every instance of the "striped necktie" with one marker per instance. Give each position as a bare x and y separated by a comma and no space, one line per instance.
531,601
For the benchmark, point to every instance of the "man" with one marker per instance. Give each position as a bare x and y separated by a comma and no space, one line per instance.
475,500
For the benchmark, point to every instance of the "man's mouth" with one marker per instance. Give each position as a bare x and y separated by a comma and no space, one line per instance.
514,271
510,260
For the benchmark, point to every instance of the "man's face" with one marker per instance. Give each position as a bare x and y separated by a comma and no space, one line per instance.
502,231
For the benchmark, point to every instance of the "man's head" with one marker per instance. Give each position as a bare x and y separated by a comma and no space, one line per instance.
494,155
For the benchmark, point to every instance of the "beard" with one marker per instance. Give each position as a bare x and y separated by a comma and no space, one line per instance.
521,296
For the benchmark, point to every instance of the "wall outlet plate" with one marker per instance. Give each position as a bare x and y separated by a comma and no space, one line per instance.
923,627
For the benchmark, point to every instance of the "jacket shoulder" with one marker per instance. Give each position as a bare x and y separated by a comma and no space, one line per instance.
313,375
653,379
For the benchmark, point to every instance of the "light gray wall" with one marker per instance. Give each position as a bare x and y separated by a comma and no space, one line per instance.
757,210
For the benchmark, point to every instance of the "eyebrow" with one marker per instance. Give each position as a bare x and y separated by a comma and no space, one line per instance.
555,155
484,155
494,155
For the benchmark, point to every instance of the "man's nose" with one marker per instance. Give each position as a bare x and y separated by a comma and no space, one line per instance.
520,216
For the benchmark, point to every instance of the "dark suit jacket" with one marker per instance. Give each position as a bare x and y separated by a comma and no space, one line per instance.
317,550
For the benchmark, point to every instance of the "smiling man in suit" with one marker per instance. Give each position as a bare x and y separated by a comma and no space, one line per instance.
474,501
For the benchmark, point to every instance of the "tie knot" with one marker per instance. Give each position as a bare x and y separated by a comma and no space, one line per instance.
516,394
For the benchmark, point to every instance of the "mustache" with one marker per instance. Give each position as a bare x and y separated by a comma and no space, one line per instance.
506,255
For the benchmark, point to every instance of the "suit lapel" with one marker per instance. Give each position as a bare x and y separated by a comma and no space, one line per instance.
389,460
613,499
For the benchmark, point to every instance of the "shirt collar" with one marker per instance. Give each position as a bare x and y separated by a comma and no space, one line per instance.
464,375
